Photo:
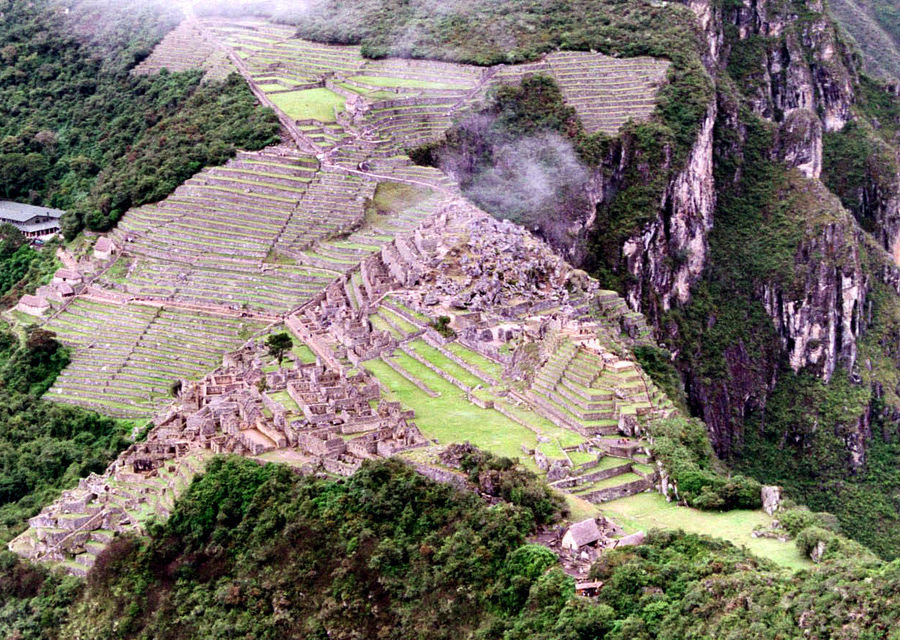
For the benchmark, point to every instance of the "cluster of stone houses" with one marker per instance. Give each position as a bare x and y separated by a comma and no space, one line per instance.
66,283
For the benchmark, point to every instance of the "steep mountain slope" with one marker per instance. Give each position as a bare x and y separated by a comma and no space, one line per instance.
875,26
719,220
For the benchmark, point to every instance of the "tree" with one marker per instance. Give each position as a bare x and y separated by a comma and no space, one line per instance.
42,341
278,344
10,240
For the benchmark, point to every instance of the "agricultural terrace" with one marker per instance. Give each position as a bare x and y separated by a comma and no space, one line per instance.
234,236
606,92
125,358
310,104
185,48
410,102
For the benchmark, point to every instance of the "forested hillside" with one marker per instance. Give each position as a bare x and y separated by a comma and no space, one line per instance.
875,26
258,551
79,133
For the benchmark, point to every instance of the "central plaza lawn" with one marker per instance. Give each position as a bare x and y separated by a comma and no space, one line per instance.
650,510
315,104
451,418
493,369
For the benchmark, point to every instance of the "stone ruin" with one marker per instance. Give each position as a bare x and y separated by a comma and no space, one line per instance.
501,287
340,421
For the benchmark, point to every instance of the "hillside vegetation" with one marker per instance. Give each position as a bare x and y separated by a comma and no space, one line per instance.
256,551
875,26
77,132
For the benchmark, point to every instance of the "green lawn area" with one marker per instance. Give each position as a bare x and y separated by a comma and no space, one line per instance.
303,352
380,81
286,401
401,323
317,104
565,437
650,510
493,369
451,418
441,361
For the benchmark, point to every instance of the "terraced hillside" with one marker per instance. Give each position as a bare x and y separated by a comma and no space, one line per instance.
606,92
409,102
214,240
126,357
268,231
186,48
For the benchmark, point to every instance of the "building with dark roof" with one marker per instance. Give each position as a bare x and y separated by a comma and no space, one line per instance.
33,222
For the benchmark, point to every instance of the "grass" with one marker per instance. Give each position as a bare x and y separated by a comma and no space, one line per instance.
615,481
379,324
286,401
400,322
303,352
493,369
451,418
439,360
118,272
650,510
396,197
315,104
409,83
396,302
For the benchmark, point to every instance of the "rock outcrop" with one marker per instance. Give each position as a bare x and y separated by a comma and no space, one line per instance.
680,231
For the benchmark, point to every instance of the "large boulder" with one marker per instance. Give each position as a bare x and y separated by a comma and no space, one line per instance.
771,498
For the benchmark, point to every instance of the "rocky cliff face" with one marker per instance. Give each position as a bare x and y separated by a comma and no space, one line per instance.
820,322
669,254
786,63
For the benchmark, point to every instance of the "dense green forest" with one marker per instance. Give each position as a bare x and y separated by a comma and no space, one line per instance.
257,551
44,446
78,132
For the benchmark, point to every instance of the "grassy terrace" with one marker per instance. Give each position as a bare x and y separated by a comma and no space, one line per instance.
398,320
647,510
450,417
315,104
441,361
493,369
408,83
124,358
